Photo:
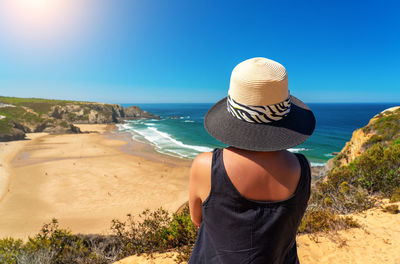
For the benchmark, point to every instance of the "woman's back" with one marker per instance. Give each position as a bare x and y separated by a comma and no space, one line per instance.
262,176
248,200
236,228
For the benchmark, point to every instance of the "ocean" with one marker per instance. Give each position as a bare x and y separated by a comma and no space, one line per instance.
180,130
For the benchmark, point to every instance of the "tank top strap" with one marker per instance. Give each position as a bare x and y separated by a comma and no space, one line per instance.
216,168
305,177
220,183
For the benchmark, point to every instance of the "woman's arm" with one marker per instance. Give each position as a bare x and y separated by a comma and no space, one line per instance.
199,185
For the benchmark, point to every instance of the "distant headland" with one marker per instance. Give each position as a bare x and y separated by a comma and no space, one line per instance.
26,115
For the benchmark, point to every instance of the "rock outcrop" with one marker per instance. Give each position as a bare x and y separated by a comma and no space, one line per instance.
92,113
134,112
351,150
13,134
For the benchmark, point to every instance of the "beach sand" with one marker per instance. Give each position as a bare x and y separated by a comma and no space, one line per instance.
84,181
377,241
8,150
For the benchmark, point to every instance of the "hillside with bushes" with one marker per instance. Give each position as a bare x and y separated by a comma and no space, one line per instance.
364,172
26,115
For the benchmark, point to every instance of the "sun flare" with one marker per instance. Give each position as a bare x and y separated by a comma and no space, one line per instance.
41,23
34,11
35,4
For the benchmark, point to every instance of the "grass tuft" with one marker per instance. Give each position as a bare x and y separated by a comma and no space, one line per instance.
393,209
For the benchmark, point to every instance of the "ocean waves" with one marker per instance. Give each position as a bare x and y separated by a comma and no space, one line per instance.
317,164
179,143
297,150
177,137
182,137
180,130
164,142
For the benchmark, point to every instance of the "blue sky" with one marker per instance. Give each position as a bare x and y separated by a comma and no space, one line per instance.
128,51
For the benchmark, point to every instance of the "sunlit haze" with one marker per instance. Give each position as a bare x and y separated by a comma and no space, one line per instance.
29,27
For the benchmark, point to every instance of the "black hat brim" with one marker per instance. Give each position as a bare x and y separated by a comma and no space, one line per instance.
288,132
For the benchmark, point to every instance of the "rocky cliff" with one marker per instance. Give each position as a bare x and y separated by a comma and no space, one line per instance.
384,127
95,113
25,115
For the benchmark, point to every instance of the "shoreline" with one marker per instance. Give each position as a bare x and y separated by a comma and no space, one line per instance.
142,149
145,150
86,180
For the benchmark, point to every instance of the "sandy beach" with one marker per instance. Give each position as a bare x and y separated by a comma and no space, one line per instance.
84,180
8,150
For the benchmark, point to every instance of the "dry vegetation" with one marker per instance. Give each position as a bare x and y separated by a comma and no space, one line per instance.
156,231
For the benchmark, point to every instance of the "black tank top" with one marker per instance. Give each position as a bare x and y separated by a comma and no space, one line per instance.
235,229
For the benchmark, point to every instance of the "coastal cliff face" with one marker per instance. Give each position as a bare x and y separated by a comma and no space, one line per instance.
96,113
383,128
26,115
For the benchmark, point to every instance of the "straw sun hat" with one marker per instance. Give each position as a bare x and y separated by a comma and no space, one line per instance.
259,113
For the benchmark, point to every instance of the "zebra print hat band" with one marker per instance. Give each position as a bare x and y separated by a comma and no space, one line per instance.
259,114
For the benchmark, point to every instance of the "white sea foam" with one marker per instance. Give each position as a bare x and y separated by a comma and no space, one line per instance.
315,164
143,135
188,121
138,137
179,143
123,127
163,142
297,149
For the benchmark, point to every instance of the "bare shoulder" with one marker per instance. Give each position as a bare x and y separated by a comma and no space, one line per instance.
202,164
200,175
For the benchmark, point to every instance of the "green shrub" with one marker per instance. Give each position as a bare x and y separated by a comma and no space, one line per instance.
340,196
13,113
323,220
54,245
378,170
385,129
60,246
395,197
396,142
9,250
5,126
350,188
156,231
20,115
64,124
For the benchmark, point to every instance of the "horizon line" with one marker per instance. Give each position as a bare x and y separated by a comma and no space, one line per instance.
115,102
215,102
